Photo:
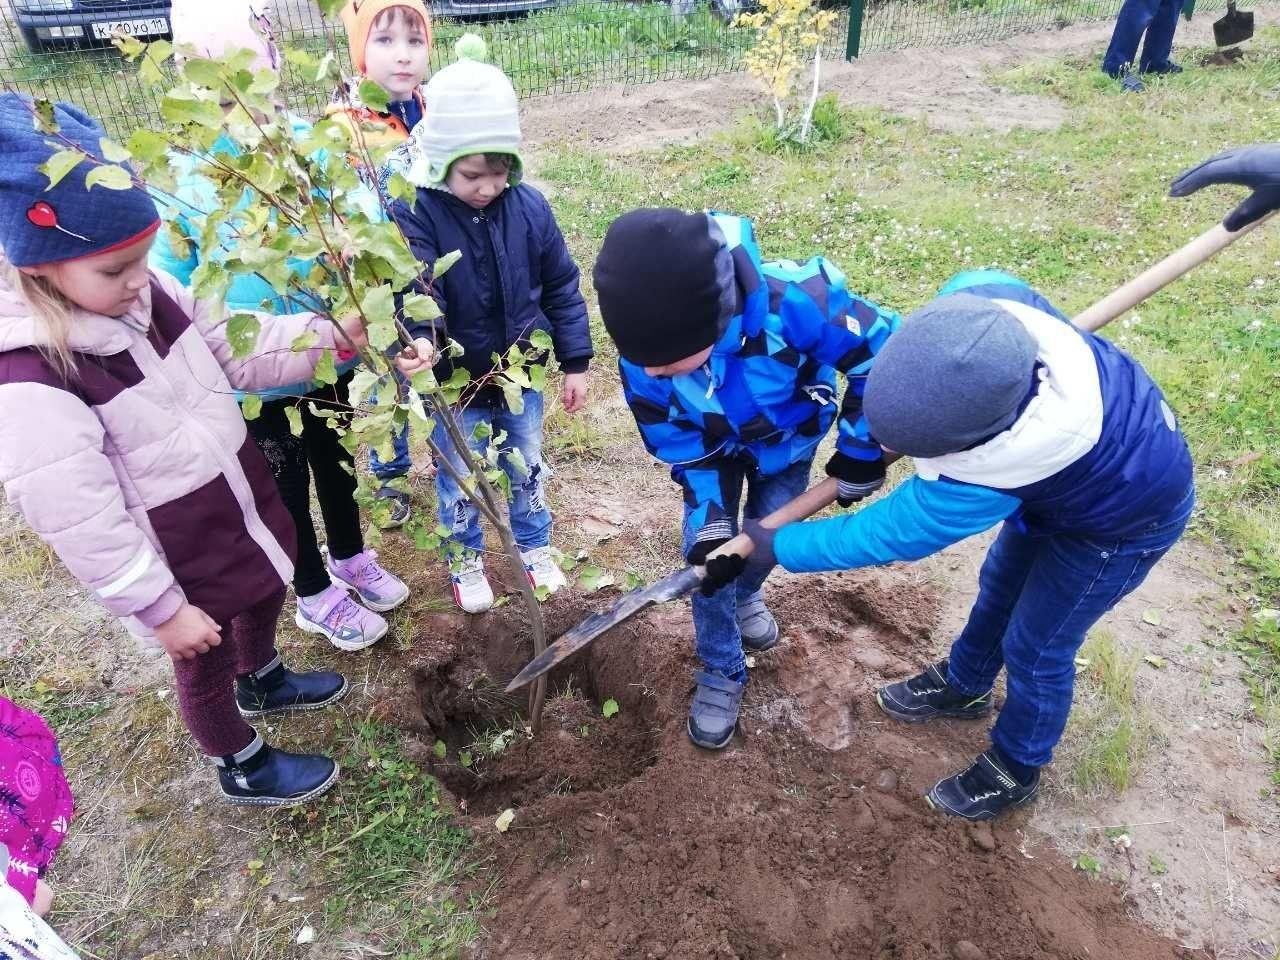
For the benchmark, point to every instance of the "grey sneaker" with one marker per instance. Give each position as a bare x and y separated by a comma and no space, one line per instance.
756,625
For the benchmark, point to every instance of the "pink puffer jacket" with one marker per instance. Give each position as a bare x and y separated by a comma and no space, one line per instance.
140,473
35,801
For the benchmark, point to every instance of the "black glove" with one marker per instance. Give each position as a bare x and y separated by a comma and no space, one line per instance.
724,569
710,537
855,479
1257,167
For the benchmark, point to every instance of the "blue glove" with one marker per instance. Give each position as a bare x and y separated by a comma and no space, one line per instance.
723,570
1257,167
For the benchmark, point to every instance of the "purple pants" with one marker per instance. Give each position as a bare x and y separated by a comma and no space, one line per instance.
206,685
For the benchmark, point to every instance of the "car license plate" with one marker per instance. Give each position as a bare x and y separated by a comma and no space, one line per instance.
131,28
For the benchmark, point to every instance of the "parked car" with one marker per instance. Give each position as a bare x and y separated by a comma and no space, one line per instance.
88,23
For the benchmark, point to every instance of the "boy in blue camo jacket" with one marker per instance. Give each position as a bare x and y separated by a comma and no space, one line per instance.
729,366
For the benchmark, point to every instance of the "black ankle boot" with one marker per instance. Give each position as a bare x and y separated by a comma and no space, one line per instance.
277,689
261,776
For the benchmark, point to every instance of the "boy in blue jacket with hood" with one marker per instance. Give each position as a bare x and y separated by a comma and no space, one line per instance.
515,277
729,366
1013,416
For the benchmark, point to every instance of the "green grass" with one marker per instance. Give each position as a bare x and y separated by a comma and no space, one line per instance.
1109,732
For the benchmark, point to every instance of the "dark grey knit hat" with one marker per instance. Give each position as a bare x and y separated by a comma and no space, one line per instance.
954,373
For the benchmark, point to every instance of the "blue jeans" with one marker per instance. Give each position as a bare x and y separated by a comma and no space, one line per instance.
1158,19
1037,598
715,623
399,465
530,518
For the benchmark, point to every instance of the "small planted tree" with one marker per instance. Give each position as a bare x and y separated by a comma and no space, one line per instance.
294,198
788,34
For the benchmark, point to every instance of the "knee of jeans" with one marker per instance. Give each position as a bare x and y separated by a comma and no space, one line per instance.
532,488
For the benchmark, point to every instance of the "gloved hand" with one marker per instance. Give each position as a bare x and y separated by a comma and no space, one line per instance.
711,536
1257,167
723,570
855,479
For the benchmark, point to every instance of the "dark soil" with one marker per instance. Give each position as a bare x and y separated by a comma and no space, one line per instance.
806,839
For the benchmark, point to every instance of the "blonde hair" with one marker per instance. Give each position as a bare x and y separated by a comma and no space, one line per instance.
51,310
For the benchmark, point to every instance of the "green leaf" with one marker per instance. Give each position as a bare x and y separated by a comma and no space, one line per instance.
329,8
242,334
401,189
110,176
61,164
540,340
183,107
113,152
46,121
1087,863
326,369
251,406
592,578
147,146
206,73
442,265
537,377
518,463
373,95
513,394
609,708
464,758
503,823
294,416
1156,661
441,749
304,341
418,306
129,47
1151,616
149,71
1156,865
326,69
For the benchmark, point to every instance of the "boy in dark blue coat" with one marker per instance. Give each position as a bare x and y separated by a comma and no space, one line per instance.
515,277
1013,416
729,366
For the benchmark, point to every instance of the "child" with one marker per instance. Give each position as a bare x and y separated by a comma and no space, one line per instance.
729,366
1013,415
515,277
138,470
1158,20
36,802
390,44
321,587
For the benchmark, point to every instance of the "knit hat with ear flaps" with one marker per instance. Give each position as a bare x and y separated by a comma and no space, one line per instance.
955,372
214,27
469,107
358,17
41,225
666,284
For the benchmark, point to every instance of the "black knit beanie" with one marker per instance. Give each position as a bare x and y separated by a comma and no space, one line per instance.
665,283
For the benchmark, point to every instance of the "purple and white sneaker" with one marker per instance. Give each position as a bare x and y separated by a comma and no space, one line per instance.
377,588
333,614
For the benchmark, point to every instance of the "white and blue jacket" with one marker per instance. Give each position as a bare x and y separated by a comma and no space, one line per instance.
1096,451
767,394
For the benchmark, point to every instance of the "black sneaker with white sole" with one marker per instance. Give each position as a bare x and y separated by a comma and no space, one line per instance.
986,790
261,776
927,697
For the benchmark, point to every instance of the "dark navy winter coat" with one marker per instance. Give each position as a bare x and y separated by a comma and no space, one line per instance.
515,275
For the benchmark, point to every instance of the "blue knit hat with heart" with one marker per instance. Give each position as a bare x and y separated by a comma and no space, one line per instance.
41,225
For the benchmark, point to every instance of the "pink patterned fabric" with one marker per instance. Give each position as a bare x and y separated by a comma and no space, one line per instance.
35,801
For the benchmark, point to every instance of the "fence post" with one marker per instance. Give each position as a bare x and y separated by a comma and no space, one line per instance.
854,42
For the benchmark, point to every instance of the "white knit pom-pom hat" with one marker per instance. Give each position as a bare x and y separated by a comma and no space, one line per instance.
469,107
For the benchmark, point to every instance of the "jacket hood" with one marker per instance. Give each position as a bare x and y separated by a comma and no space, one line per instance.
90,333
750,296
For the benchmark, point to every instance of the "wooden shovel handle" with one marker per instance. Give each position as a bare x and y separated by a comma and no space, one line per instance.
1162,274
801,508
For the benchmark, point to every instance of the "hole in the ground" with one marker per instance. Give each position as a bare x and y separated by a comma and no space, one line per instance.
489,760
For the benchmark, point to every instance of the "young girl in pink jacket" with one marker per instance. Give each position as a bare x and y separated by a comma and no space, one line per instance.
121,444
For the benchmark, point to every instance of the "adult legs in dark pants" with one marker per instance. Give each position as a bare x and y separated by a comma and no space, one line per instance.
325,606
1158,20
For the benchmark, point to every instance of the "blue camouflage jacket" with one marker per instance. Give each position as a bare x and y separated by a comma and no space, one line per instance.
767,394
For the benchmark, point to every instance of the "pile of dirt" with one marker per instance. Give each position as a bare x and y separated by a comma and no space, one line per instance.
806,839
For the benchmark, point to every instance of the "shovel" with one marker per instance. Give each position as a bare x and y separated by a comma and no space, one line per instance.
1235,27
823,495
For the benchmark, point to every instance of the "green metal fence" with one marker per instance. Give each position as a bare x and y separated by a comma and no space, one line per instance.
568,45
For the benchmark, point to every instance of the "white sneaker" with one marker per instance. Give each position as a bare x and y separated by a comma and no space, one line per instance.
471,590
540,564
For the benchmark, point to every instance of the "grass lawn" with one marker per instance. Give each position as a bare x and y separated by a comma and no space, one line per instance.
373,868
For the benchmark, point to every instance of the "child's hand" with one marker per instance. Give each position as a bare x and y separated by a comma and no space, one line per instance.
43,898
574,396
421,356
353,327
188,633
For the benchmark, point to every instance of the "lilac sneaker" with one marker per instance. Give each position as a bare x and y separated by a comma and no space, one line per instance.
335,615
377,588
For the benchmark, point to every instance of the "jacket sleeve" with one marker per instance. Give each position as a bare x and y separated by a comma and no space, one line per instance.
918,518
274,362
561,297
681,443
65,488
419,232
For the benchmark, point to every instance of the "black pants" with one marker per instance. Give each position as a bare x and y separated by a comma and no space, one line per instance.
333,470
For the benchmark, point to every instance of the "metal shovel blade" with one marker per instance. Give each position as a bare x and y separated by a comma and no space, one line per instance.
1235,27
570,642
